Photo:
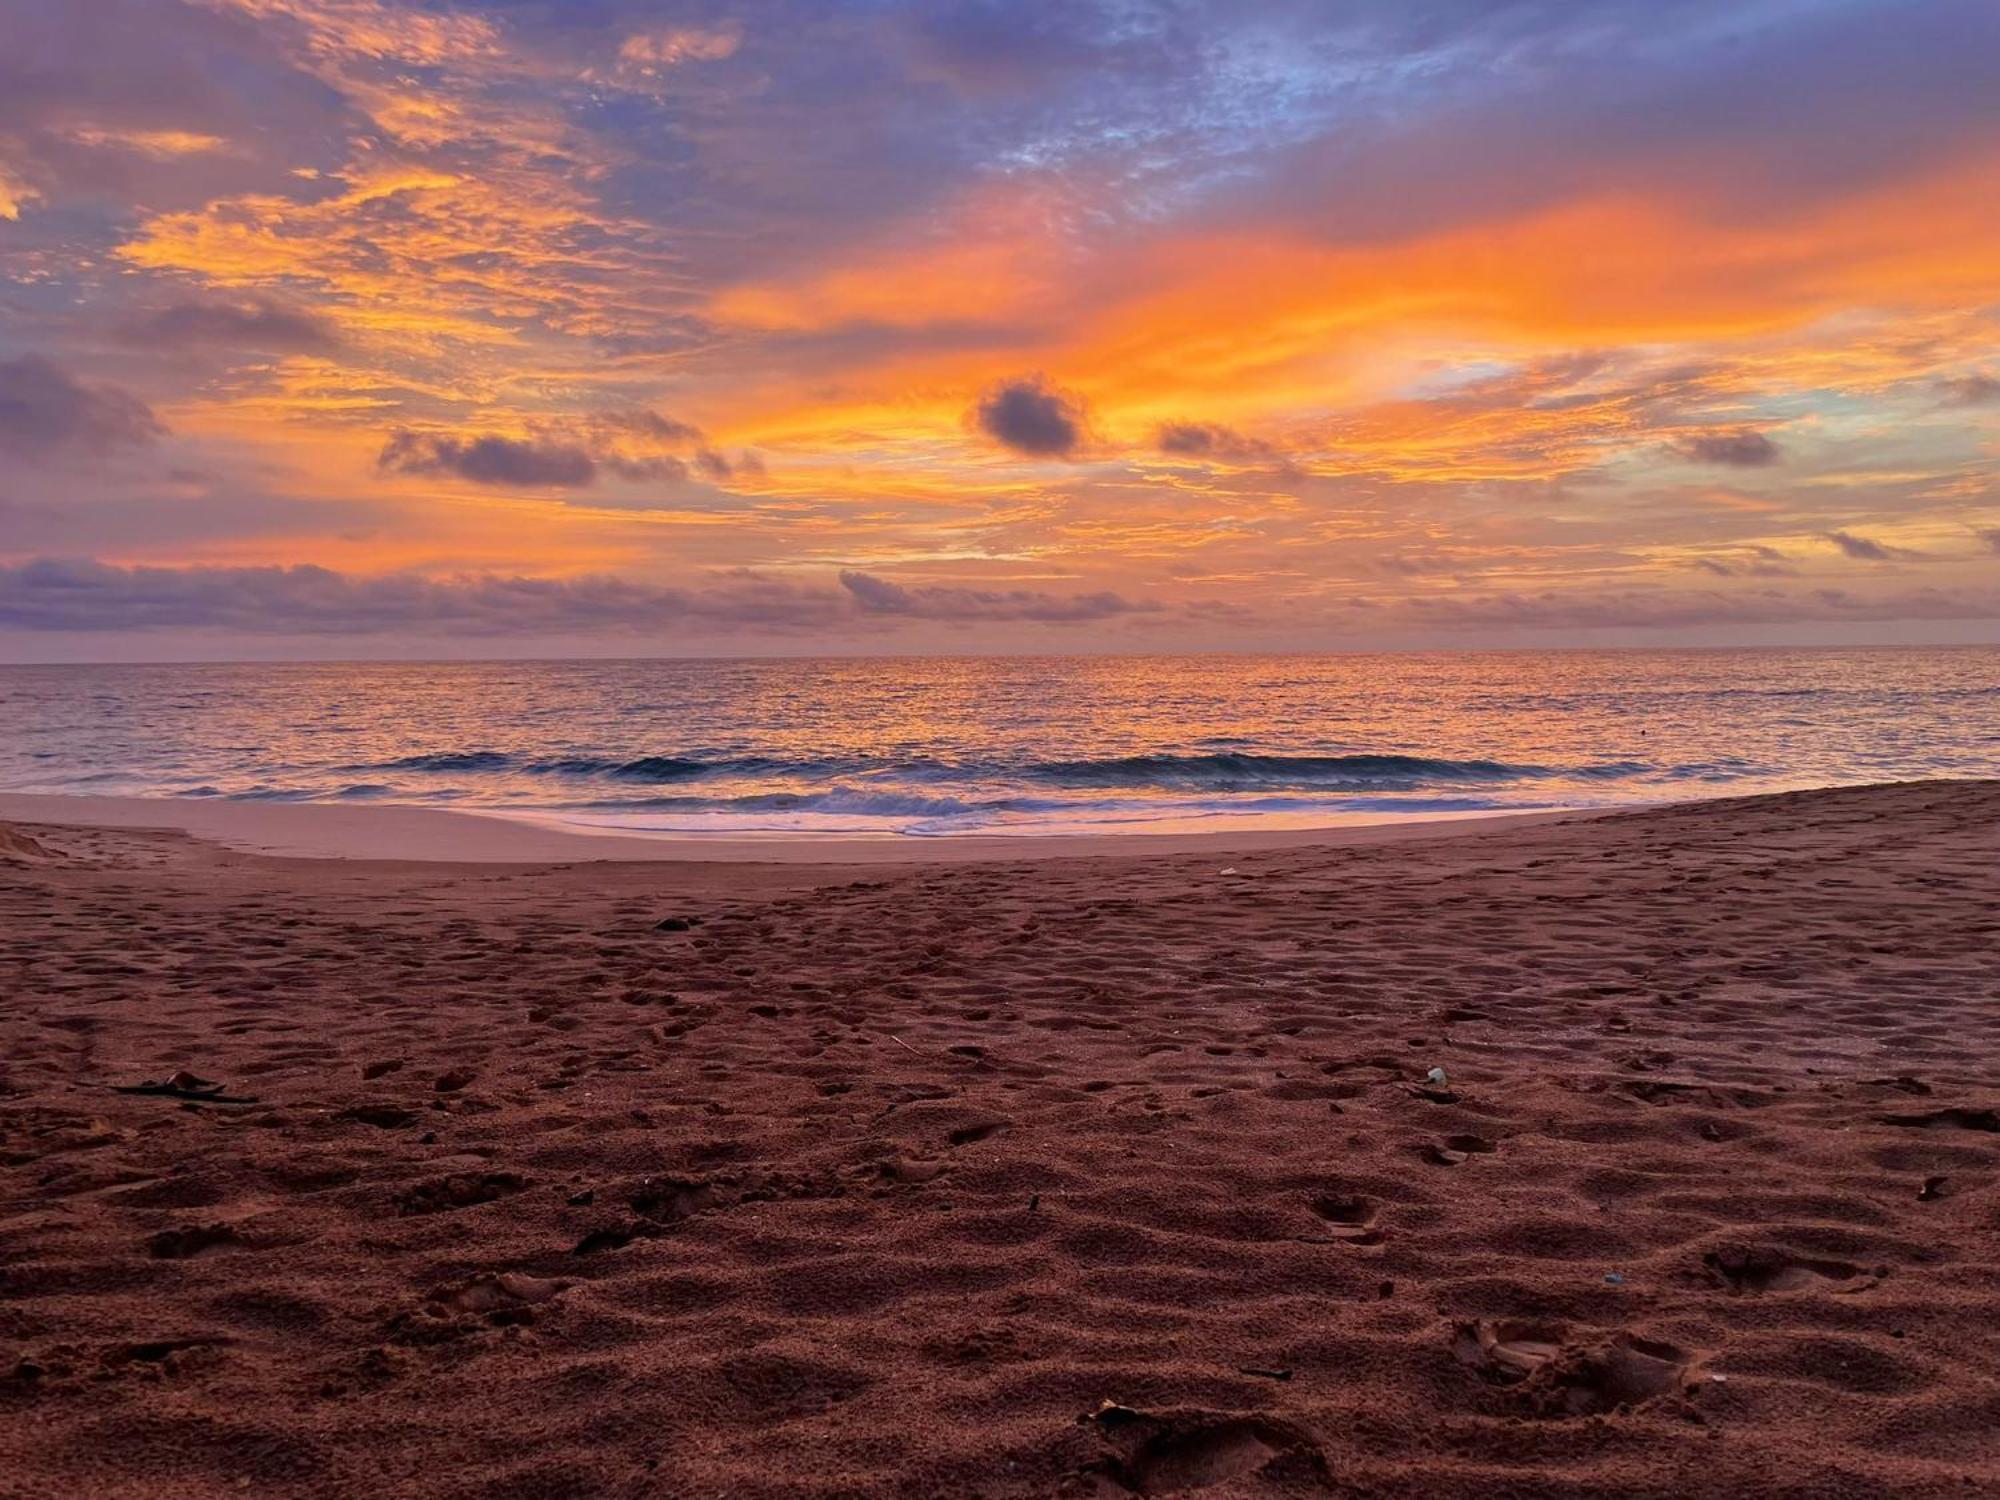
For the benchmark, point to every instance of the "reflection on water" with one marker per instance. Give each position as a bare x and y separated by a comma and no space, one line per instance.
1024,745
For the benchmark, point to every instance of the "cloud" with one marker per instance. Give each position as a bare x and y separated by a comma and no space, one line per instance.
671,46
719,466
652,425
1741,449
999,45
1663,609
949,602
1428,562
1369,230
52,594
1762,562
46,415
58,595
1976,389
1030,416
1991,537
1865,550
513,462
1208,440
250,323
566,453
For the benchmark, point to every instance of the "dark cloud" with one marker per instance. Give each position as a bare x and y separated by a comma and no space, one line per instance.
47,415
1556,609
1031,416
1991,537
1976,389
1208,440
652,425
1760,562
514,462
77,595
568,454
949,602
1743,448
1863,549
59,595
658,466
250,324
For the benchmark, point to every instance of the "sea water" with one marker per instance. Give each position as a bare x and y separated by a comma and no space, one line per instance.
939,746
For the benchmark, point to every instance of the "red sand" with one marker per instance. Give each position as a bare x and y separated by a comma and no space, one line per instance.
881,1182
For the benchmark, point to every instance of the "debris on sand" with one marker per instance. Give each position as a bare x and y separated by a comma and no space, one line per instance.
185,1085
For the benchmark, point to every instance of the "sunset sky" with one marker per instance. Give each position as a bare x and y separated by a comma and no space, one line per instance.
392,328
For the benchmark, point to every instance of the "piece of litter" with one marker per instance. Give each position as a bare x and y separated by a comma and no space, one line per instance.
1614,1278
1436,1076
1230,871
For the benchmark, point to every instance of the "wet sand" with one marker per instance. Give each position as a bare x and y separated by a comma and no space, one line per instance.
322,830
681,1178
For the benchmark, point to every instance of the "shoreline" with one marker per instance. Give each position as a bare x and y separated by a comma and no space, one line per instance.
315,830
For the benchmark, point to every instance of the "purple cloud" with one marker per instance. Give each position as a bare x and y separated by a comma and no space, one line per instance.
1864,549
1976,389
46,415
1208,440
1741,449
57,595
1031,416
253,323
950,602
511,462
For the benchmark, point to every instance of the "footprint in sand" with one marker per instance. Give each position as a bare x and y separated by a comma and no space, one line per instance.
1455,1149
1753,1272
967,1135
1557,1376
490,1293
1348,1216
381,1116
459,1190
1948,1119
1168,1452
490,1300
192,1240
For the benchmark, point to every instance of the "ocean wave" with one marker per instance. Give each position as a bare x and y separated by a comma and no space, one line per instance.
447,760
662,768
1219,771
1222,772
854,801
677,767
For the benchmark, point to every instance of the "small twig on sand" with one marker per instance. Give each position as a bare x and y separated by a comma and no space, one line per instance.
905,1046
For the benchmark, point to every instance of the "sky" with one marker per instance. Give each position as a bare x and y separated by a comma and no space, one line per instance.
391,328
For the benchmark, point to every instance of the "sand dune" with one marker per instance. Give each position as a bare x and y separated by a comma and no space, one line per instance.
1086,1177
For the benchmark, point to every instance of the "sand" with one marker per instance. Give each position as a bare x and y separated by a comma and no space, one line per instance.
322,830
16,848
884,1180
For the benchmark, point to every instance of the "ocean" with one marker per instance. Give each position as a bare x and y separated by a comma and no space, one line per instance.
938,746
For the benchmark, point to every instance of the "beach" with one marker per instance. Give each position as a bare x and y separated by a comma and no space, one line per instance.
399,1152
